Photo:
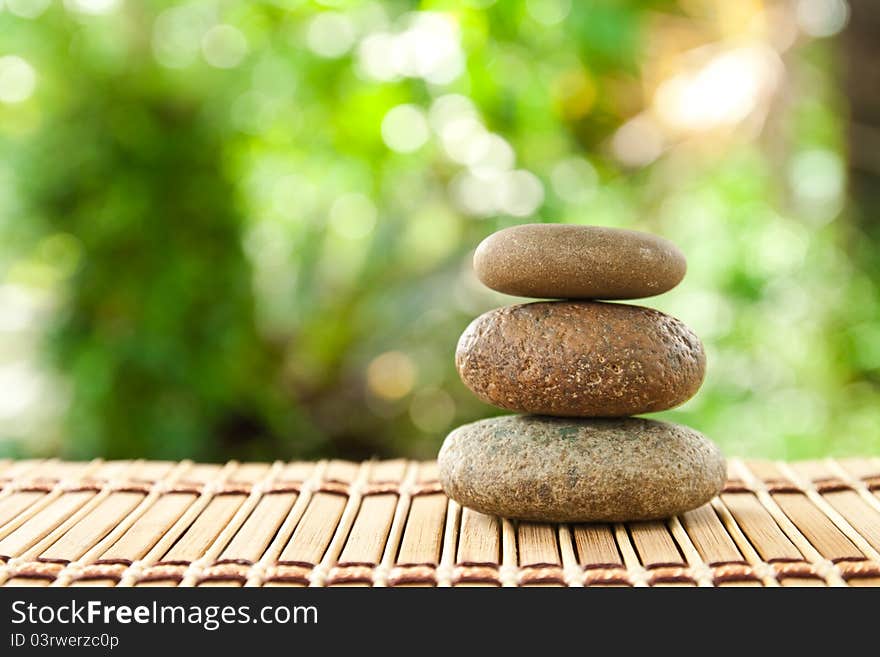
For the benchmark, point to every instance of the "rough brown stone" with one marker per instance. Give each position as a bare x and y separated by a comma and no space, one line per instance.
580,359
558,470
578,262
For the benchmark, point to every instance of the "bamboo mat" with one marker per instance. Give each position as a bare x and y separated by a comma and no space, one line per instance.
387,523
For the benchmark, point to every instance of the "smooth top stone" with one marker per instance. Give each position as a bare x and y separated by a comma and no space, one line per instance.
557,470
563,261
580,359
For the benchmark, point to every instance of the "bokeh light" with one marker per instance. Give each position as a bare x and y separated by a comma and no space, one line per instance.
27,8
637,142
391,375
246,229
822,18
432,410
353,216
178,33
93,7
426,46
330,34
224,46
405,129
548,12
575,180
18,79
724,91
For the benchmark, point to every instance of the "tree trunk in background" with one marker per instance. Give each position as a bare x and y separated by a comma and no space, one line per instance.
861,84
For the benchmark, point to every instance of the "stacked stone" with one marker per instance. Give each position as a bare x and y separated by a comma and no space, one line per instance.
578,368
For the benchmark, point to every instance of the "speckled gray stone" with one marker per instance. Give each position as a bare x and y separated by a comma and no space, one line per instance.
558,470
580,359
578,262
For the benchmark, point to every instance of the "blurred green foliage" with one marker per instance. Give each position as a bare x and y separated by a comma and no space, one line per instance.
243,229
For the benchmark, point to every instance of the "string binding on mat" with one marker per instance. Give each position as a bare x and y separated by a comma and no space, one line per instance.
776,524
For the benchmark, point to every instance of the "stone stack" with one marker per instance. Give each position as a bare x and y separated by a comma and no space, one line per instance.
578,368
